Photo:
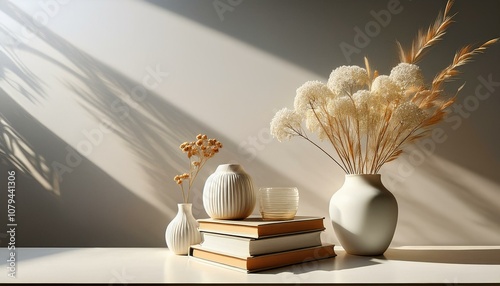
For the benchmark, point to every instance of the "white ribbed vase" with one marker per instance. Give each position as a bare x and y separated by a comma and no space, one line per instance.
182,231
364,215
229,193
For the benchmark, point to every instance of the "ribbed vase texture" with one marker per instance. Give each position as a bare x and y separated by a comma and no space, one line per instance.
229,193
364,215
182,231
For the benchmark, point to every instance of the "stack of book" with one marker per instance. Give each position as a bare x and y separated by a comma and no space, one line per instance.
254,244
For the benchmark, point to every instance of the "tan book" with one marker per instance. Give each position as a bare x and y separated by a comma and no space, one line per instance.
245,246
256,227
267,261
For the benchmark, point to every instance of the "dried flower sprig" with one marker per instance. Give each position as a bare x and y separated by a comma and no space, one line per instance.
198,152
425,40
370,118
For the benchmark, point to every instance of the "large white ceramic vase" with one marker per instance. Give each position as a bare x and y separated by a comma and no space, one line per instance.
364,215
229,193
182,231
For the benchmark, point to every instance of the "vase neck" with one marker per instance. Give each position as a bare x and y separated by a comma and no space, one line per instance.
184,208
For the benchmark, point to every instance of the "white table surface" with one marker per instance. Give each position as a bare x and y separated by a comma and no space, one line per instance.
445,265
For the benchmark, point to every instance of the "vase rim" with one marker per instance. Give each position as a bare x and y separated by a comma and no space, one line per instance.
229,165
229,168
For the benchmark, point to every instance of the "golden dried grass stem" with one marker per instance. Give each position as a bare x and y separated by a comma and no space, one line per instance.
369,72
323,150
461,57
332,140
424,41
344,138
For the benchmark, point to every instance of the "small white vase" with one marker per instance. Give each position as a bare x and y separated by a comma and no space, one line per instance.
182,231
229,193
364,215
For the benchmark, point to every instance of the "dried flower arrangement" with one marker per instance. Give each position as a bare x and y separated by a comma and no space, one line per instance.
370,118
198,152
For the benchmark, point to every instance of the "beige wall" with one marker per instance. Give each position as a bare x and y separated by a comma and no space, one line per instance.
124,82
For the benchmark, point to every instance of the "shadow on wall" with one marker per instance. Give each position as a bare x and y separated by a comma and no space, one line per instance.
309,34
88,208
454,206
92,208
12,67
306,33
15,150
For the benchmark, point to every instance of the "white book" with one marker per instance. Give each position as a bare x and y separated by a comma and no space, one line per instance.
245,247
